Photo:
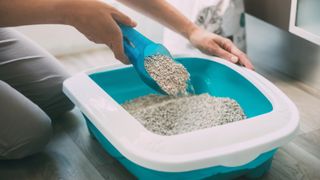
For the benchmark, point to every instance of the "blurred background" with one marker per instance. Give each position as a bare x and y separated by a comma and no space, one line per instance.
272,42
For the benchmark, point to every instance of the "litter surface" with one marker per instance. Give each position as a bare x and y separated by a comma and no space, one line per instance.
168,115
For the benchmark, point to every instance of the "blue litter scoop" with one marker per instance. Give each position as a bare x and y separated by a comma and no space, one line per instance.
138,47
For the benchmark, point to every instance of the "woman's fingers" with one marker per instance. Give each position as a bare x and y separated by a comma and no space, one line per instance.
214,44
123,19
244,60
115,42
117,48
226,55
98,21
231,48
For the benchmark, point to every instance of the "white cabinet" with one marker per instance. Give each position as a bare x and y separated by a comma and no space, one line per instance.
305,19
300,17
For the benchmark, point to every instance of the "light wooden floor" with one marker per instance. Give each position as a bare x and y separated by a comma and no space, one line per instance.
73,154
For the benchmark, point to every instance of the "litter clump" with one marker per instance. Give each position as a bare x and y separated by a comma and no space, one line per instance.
168,115
172,77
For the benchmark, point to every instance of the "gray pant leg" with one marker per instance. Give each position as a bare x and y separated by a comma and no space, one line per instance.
24,127
33,72
30,87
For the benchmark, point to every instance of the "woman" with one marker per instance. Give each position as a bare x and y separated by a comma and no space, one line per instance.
31,79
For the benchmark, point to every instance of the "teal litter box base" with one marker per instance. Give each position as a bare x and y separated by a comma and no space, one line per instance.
251,170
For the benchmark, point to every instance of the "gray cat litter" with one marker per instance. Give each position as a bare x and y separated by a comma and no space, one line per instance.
172,77
168,115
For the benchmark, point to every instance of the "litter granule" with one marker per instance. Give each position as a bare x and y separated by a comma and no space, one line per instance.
168,115
172,77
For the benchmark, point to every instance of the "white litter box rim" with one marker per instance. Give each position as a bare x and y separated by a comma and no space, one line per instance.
189,151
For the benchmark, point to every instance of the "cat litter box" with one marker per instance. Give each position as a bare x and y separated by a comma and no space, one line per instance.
242,148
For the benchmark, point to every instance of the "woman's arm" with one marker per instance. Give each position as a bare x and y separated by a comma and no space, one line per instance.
163,12
206,42
26,12
94,18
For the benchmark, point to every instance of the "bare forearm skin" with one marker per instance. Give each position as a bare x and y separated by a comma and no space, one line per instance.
27,12
98,22
163,12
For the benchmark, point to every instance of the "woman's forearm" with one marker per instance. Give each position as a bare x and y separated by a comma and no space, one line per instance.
206,42
98,22
94,18
26,12
163,12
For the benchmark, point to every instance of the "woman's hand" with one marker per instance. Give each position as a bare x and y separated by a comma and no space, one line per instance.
98,22
213,44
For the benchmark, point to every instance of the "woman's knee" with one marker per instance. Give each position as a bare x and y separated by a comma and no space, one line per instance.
24,128
60,103
37,74
30,141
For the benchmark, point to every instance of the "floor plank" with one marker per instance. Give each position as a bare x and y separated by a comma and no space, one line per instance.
294,162
310,142
306,103
74,125
61,159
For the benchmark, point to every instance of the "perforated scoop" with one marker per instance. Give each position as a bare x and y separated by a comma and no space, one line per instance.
137,47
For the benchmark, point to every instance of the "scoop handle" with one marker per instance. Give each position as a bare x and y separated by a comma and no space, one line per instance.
135,47
134,43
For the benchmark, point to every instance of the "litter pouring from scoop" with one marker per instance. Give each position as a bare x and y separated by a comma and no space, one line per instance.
155,65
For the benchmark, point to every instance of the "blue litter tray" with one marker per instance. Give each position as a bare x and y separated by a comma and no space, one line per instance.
243,148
